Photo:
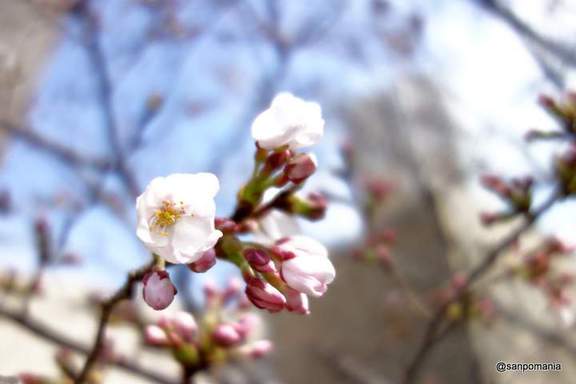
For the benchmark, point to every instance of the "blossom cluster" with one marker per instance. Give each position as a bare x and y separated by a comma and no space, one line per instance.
541,269
226,331
177,217
516,193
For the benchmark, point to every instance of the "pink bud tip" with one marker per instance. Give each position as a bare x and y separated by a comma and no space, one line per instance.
226,335
233,289
29,378
154,335
205,262
300,167
259,349
226,225
211,291
246,324
488,218
264,296
297,302
546,101
459,281
379,189
259,260
185,324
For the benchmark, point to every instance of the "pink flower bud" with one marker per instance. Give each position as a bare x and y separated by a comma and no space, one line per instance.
247,323
379,189
185,325
226,225
310,270
158,290
496,184
244,303
264,296
383,255
211,291
300,167
547,101
180,325
316,207
258,349
232,290
29,378
488,218
154,335
259,260
226,335
205,262
276,160
297,302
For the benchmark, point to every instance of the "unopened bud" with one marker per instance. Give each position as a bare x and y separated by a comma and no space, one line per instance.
29,378
276,160
259,260
226,225
297,302
158,291
264,296
246,324
315,207
300,167
258,349
205,262
154,335
379,189
185,324
232,290
226,335
211,291
383,255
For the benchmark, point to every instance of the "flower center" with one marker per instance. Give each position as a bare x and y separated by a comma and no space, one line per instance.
166,216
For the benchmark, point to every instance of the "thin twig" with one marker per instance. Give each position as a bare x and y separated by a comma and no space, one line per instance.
56,149
125,292
431,334
105,92
48,334
565,54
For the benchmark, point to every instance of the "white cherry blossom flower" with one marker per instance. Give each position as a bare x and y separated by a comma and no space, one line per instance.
176,216
306,266
288,121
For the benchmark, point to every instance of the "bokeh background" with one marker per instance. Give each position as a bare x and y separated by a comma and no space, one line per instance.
426,94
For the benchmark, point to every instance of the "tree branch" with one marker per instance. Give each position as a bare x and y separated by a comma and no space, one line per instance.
125,292
431,336
58,150
47,334
105,91
563,53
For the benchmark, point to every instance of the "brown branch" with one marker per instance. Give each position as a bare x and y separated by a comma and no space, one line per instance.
563,53
58,150
48,334
125,292
105,92
431,336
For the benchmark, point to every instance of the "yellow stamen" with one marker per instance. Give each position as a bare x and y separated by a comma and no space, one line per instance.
166,216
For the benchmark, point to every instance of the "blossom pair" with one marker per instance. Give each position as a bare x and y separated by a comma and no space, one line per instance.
176,213
301,267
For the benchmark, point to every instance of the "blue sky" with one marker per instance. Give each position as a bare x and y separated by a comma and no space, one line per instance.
488,77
